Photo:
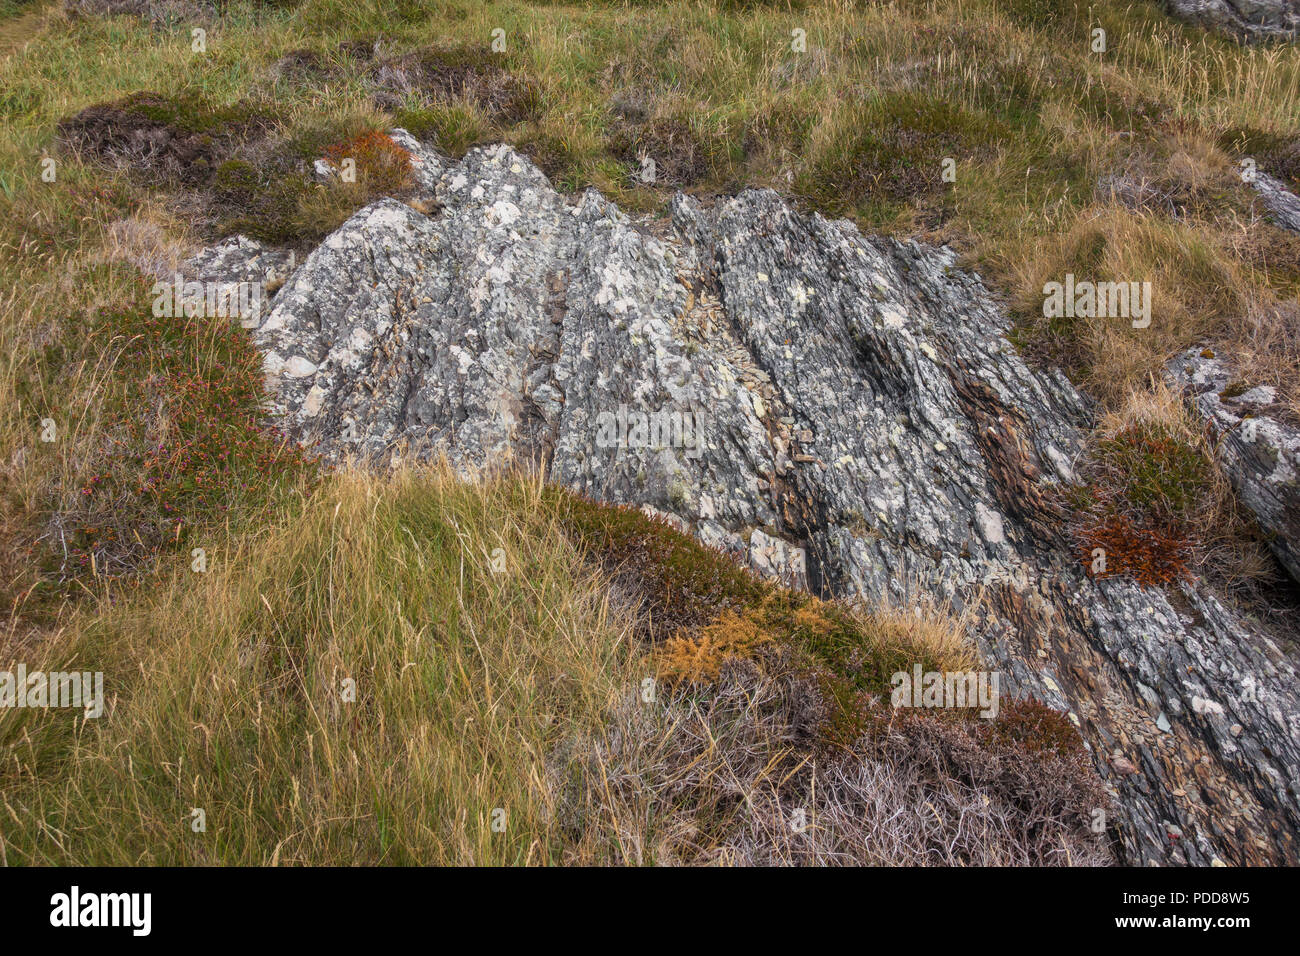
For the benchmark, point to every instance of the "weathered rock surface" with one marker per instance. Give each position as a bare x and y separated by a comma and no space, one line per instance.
240,259
1282,204
1259,453
1250,19
843,411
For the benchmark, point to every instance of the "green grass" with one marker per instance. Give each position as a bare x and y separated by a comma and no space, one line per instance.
16,8
229,692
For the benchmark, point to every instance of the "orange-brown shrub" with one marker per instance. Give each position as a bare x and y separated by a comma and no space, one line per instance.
381,165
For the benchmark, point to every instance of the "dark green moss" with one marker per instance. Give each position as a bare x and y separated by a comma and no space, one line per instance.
894,150
683,584
1158,472
235,178
191,113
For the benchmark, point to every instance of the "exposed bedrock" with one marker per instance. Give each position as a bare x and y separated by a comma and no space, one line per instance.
1248,19
840,410
1282,205
1258,451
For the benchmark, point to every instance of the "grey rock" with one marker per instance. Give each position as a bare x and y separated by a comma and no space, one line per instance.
1248,19
241,259
1259,452
426,164
840,410
1283,205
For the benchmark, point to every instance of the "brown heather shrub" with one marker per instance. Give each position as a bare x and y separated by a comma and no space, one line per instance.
731,774
469,76
682,156
382,166
1153,557
776,714
162,139
697,656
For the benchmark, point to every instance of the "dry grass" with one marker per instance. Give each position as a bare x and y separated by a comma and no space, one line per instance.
228,692
493,682
724,775
1196,293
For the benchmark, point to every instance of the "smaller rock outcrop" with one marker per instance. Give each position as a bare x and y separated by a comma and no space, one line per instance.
1258,452
1248,19
1283,205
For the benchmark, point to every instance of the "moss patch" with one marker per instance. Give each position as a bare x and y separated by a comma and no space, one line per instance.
891,151
1133,516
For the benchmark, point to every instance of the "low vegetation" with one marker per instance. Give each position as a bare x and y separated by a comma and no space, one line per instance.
1152,505
418,669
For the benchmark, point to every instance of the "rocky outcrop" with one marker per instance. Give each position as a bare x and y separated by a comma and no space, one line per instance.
1283,205
1258,452
1249,19
842,411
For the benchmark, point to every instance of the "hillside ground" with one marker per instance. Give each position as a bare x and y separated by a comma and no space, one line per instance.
1122,164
